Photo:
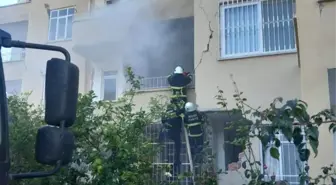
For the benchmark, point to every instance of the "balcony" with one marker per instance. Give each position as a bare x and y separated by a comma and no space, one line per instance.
18,31
13,55
151,55
21,9
142,32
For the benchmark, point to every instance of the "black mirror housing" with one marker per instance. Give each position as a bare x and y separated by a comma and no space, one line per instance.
61,92
54,144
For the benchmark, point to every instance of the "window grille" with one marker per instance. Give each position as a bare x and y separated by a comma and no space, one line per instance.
252,27
288,167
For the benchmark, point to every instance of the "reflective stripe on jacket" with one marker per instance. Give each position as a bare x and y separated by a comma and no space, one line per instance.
178,92
194,123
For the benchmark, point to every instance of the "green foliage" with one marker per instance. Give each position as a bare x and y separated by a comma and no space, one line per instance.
25,119
111,145
289,118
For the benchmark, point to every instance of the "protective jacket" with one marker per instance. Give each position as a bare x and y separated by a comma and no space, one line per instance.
194,123
172,119
178,83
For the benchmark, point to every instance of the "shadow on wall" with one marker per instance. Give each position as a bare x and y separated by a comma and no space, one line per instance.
151,46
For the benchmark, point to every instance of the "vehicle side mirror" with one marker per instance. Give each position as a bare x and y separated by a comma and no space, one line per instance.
54,144
61,92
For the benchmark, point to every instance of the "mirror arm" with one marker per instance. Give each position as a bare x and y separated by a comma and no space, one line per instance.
31,175
20,44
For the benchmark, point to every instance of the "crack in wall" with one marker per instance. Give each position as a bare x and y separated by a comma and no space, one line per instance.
210,36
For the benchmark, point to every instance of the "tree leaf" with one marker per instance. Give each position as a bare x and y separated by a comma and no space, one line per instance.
297,136
265,139
247,173
313,132
301,146
244,164
258,162
332,126
275,153
287,132
318,120
277,142
333,180
314,145
304,154
248,111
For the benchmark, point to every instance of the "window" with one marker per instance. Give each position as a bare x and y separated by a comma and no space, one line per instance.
60,24
287,168
231,151
108,2
110,85
224,132
13,87
6,54
261,26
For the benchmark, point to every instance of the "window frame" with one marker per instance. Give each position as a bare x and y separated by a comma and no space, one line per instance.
57,18
221,41
223,26
107,77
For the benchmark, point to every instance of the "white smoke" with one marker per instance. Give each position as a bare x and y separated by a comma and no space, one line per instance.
135,32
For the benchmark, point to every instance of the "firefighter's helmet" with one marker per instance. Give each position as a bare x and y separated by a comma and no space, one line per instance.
189,107
178,70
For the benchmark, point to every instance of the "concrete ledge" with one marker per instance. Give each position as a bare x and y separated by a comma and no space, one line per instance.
325,1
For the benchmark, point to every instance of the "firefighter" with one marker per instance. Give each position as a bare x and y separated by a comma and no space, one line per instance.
178,81
193,121
172,128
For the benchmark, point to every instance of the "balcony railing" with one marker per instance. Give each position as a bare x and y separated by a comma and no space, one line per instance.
154,83
14,55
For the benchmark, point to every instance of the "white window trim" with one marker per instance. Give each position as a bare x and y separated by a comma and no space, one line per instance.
112,76
57,24
221,30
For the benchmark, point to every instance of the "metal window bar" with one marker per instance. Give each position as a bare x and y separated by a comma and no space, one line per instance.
252,27
166,157
287,165
161,82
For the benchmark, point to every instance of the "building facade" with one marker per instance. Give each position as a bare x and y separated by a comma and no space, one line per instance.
271,48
